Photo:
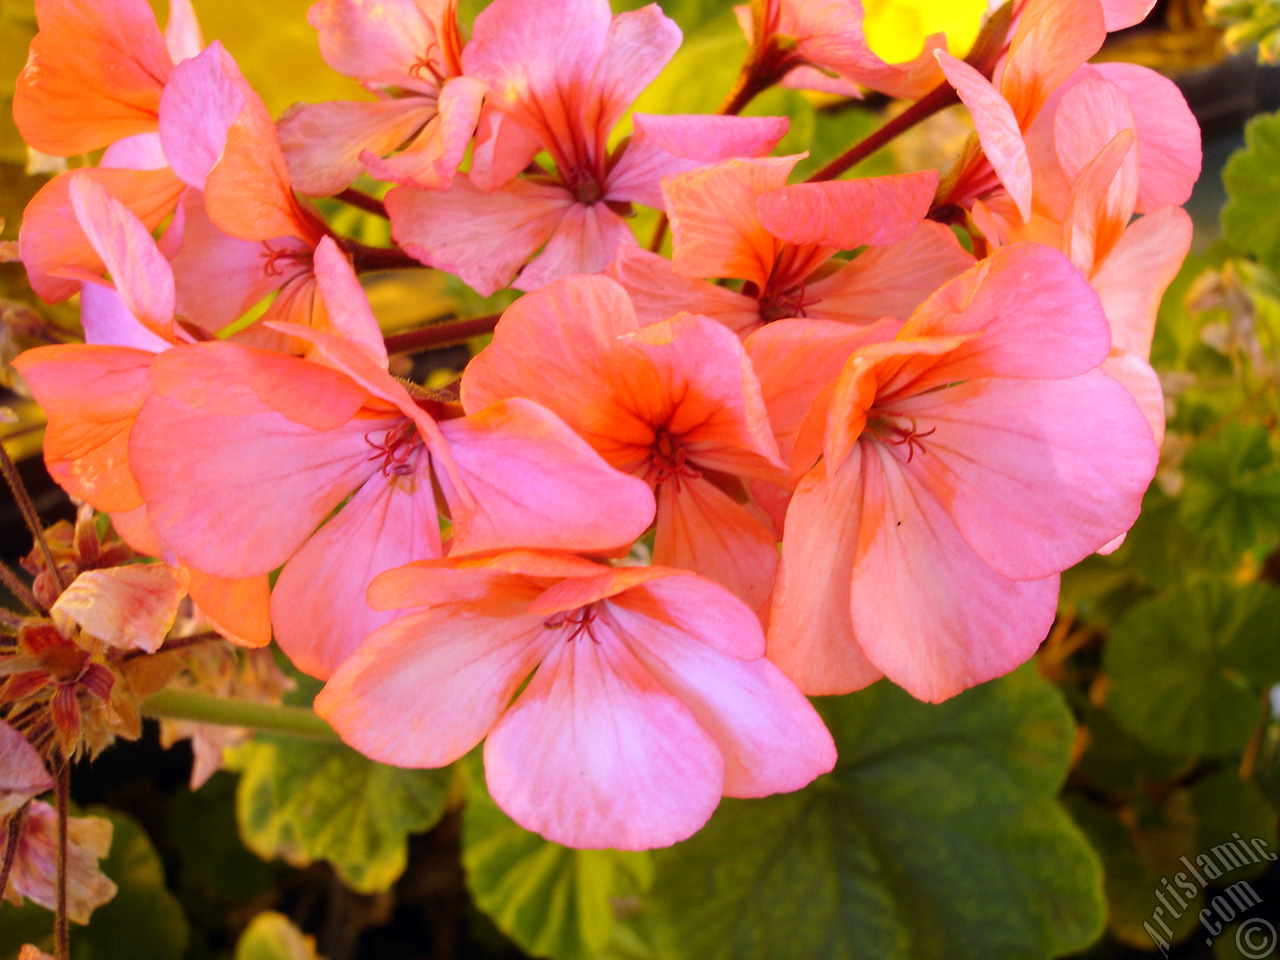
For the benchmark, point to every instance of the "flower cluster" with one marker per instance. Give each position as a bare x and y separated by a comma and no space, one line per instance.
858,425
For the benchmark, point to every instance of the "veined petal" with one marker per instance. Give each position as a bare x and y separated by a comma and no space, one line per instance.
664,145
585,241
715,226
536,483
703,529
348,305
658,292
91,395
451,671
845,214
431,159
1050,41
1029,490
811,636
322,142
379,42
772,739
483,237
93,75
926,610
597,753
997,127
391,520
51,240
636,48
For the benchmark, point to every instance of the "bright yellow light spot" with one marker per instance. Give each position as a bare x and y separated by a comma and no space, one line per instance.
896,29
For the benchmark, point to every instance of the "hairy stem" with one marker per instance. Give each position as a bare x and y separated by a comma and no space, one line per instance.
14,836
232,712
440,334
365,202
62,946
29,514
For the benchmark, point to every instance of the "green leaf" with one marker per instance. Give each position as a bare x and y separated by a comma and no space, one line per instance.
1231,489
1188,667
1231,810
214,866
272,936
143,921
307,801
1252,178
937,836
551,900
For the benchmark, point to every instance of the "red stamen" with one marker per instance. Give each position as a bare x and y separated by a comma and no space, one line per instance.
395,449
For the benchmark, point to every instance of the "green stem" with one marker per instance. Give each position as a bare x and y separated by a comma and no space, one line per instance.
230,712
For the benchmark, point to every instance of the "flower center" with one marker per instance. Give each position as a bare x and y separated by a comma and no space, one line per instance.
892,430
578,621
667,459
395,448
778,305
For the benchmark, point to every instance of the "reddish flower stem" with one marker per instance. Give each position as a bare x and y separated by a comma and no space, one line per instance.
14,835
363,201
63,791
176,644
29,514
440,334
368,259
21,592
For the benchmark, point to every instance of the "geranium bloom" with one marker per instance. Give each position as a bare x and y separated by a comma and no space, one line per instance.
675,403
963,466
558,77
92,393
409,52
650,698
94,79
804,43
739,219
274,443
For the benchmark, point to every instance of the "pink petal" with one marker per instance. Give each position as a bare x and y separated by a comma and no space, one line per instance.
586,240
926,610
1140,379
1168,135
522,574
998,129
889,281
535,483
1050,42
378,41
1030,491
93,75
483,237
502,149
51,241
846,214
701,528
1135,275
237,608
349,311
202,100
1100,202
127,608
141,275
390,521
22,772
772,739
451,671
107,321
1089,116
1036,314
182,35
35,870
142,151
665,145
1125,13
715,227
91,395
597,753
658,293
638,45
322,142
432,159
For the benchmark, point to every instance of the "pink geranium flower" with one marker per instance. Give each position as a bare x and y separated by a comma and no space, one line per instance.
558,77
674,403
273,444
649,700
738,219
964,464
409,52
